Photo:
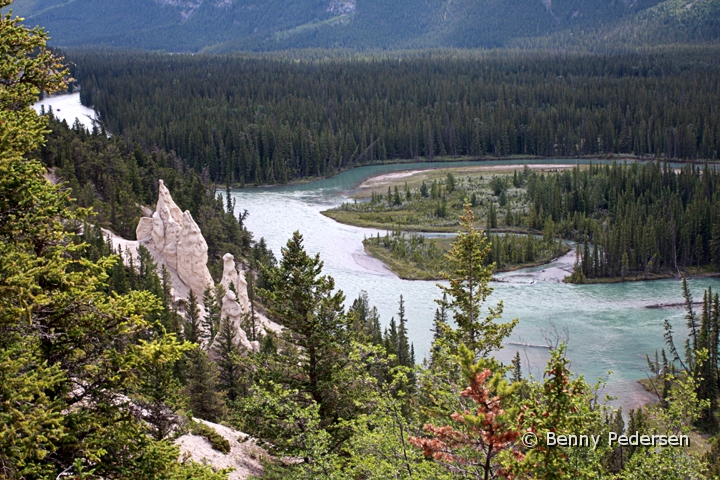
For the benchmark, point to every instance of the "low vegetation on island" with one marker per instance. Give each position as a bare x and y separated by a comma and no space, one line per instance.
630,220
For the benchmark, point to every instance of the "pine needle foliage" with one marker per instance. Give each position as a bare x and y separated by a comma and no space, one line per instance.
468,290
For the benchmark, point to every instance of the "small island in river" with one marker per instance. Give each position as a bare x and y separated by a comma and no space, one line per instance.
636,221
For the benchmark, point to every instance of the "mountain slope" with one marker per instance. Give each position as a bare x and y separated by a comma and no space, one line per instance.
671,21
229,25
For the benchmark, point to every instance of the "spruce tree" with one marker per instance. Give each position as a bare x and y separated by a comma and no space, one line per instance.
212,303
228,361
202,386
367,320
192,327
516,368
252,322
302,300
403,346
468,290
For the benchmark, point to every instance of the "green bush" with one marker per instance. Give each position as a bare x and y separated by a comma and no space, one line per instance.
217,441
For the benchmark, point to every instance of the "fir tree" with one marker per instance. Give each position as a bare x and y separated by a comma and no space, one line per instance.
212,303
516,368
228,360
367,320
192,327
468,289
202,386
403,346
301,298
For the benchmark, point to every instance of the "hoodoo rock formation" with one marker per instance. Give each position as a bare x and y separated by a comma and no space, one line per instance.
175,238
235,277
232,310
192,256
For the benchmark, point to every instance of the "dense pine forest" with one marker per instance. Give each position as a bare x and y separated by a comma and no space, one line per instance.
256,120
116,178
642,218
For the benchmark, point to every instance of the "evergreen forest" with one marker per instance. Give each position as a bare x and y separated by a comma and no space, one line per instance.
266,120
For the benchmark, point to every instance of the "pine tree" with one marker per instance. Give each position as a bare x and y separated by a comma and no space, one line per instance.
390,338
516,368
251,326
491,217
403,346
706,369
368,320
691,343
212,303
202,387
158,390
715,244
228,360
471,446
469,289
301,299
192,327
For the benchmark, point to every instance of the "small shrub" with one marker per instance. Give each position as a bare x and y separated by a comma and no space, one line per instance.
217,441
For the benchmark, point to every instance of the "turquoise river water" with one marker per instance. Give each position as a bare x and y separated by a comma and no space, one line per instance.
607,326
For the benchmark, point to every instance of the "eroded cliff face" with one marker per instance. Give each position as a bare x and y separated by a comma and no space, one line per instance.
232,310
175,240
235,277
174,237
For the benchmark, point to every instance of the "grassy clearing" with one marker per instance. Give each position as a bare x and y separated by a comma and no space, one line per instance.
415,178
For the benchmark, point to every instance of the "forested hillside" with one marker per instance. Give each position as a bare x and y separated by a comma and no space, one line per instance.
117,178
231,25
269,120
669,22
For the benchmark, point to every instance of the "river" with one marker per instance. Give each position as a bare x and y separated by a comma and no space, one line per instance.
607,325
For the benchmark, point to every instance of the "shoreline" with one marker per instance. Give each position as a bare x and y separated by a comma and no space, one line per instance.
468,158
389,262
388,179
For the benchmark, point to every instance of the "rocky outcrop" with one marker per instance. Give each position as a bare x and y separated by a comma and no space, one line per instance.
192,256
341,7
175,238
235,313
245,456
236,278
